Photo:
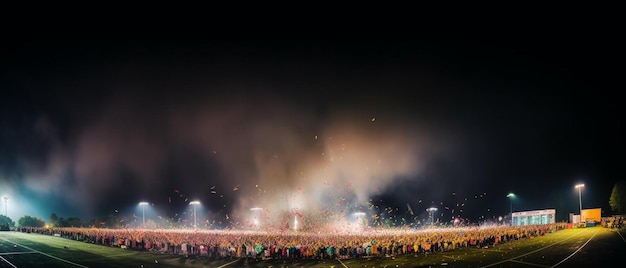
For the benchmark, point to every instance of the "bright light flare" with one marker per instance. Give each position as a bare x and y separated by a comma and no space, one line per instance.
255,217
295,222
143,213
195,218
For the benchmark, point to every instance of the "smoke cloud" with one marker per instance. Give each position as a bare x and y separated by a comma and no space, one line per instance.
256,151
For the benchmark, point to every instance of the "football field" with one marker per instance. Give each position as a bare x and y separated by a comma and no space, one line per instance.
567,248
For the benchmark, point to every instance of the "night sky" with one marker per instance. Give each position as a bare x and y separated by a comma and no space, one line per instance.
92,127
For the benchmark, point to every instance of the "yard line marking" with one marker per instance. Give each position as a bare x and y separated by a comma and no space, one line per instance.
5,260
117,255
342,263
528,263
45,254
574,253
532,252
620,235
15,253
493,250
229,263
450,257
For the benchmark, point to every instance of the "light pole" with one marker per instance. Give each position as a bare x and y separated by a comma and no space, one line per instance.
143,212
295,219
194,203
580,200
432,217
360,217
256,216
510,196
6,207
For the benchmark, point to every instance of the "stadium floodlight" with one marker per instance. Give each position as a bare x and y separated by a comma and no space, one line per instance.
195,204
255,212
143,212
295,219
510,196
359,217
580,200
432,217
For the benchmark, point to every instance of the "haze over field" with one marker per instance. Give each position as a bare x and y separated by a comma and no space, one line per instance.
91,128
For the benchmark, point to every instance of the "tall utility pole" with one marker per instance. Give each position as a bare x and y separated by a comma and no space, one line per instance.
195,204
143,213
510,196
580,199
431,212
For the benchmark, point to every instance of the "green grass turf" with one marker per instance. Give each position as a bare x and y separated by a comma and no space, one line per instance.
563,249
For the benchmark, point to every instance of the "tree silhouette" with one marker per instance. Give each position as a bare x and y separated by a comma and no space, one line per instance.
28,221
6,222
618,197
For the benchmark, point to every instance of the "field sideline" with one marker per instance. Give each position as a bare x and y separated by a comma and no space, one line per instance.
566,248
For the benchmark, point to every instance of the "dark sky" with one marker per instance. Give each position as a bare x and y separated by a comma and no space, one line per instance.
90,127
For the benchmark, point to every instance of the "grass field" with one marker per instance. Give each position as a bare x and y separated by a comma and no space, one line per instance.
581,247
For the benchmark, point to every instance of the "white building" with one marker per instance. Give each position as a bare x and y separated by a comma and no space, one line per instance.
546,216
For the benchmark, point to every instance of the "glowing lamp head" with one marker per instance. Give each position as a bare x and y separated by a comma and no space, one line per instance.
359,214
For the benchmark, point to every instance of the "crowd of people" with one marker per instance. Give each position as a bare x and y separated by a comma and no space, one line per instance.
255,244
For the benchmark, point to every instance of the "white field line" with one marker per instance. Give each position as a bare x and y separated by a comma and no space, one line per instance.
5,260
343,264
45,254
529,253
17,253
118,255
620,235
528,263
450,257
229,263
574,253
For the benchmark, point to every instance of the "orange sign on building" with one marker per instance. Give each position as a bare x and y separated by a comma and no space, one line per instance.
591,215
